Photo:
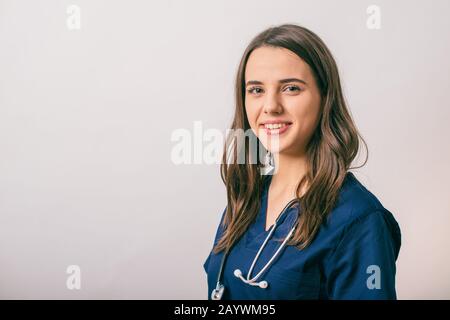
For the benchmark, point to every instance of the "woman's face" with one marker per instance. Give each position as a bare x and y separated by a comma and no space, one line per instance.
281,89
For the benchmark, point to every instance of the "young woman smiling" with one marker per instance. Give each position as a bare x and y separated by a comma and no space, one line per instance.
334,240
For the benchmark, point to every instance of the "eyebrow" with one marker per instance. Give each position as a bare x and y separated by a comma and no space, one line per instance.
280,81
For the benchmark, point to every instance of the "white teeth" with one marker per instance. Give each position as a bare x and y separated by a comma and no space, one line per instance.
274,125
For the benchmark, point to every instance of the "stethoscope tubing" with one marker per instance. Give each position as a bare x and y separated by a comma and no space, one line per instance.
252,281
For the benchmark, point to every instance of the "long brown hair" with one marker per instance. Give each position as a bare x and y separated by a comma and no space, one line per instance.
330,151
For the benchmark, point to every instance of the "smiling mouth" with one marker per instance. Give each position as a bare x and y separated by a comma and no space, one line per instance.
275,128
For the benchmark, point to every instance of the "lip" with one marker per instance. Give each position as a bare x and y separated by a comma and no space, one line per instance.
272,132
274,121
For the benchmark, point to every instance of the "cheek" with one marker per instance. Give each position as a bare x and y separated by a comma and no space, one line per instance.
252,114
305,111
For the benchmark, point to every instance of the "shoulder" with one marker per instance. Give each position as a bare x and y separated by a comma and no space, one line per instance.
356,206
355,200
360,228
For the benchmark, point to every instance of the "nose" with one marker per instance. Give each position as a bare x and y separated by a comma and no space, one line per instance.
272,104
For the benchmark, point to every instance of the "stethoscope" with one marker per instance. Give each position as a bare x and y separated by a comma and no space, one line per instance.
217,292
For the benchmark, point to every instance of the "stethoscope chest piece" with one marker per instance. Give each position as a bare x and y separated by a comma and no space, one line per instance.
217,293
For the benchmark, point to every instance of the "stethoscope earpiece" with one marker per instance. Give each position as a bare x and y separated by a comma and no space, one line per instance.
263,284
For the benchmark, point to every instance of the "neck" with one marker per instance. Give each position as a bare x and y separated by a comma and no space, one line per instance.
290,170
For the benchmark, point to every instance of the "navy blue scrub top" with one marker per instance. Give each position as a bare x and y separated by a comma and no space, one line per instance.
352,256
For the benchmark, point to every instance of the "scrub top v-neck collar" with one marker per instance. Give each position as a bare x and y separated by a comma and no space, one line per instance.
257,233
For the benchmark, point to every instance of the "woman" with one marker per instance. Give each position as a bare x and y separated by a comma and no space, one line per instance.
335,240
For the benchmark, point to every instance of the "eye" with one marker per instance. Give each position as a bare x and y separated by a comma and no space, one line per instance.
292,88
255,90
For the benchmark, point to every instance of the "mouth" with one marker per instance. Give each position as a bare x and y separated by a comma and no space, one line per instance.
275,128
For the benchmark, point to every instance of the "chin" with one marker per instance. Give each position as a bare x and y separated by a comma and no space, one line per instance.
282,149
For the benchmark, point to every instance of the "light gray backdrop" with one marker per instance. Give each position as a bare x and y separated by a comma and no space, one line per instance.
86,118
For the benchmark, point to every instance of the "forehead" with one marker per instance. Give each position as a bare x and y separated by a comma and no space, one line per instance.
273,63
